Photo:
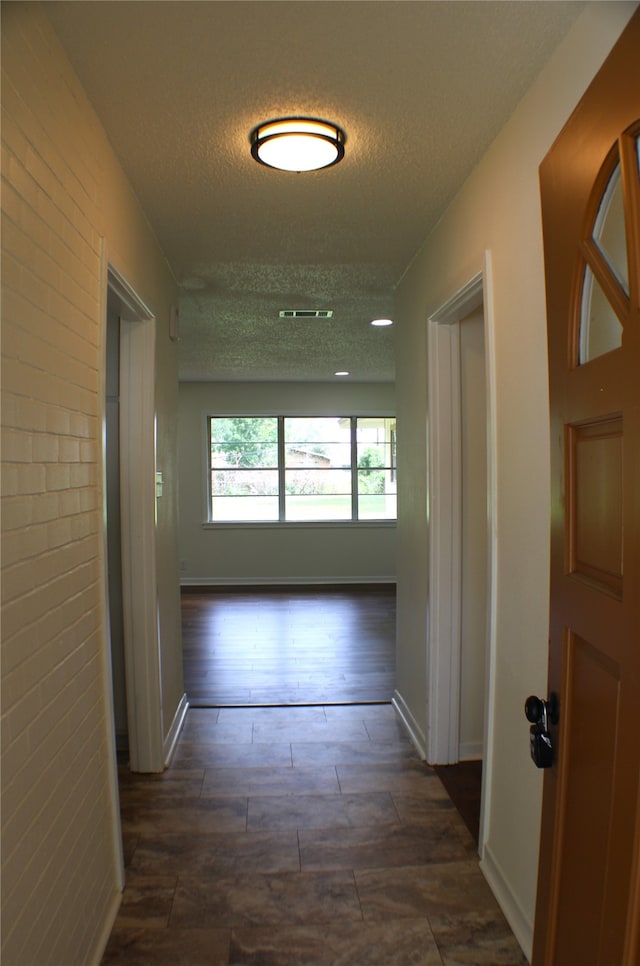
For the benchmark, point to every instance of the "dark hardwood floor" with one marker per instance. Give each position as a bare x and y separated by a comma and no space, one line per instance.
289,646
464,785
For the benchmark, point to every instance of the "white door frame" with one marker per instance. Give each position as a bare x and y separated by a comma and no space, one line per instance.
138,526
445,522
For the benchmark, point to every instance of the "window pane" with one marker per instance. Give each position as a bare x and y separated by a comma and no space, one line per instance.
244,441
376,495
317,429
378,455
378,507
318,494
244,464
600,327
244,454
244,509
372,481
249,482
318,507
609,232
310,482
320,455
376,440
376,443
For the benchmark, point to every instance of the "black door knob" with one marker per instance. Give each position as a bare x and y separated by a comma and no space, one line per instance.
534,709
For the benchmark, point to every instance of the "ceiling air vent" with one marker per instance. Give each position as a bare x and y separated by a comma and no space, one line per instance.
306,313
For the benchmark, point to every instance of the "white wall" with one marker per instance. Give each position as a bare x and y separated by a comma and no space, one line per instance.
498,209
63,197
274,554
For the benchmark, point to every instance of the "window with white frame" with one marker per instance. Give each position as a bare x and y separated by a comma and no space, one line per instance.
280,469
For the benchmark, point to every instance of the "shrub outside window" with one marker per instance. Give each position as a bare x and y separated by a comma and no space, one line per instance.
301,468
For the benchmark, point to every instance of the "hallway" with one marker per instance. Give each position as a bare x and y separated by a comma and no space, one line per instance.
301,835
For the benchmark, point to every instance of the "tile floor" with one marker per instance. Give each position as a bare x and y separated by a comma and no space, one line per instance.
305,835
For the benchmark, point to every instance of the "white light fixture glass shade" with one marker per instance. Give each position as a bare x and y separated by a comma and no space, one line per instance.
297,144
380,323
342,372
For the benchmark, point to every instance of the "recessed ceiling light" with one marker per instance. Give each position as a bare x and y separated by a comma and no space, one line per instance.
342,372
382,322
297,144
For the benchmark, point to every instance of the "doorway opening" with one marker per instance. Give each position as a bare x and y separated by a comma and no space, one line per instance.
462,545
129,485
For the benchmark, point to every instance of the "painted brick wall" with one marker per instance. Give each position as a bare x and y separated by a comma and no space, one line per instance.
59,873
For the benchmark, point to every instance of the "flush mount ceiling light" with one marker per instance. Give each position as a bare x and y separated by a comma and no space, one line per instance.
297,144
382,322
342,372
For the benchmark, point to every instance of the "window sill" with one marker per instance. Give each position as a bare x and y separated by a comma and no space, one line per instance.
300,525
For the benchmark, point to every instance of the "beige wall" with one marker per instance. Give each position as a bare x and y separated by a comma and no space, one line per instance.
497,209
62,194
275,554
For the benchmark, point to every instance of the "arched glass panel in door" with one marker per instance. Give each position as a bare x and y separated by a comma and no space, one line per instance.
606,259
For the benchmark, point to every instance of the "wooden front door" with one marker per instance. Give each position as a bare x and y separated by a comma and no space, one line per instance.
589,880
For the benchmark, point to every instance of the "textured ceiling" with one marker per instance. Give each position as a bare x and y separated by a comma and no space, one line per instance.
421,88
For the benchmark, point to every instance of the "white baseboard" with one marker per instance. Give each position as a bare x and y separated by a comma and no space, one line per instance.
413,729
95,958
279,581
471,751
521,927
173,734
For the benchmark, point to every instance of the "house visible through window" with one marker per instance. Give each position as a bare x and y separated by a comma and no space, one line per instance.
301,468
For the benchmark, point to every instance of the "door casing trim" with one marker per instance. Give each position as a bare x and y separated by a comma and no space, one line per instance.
107,676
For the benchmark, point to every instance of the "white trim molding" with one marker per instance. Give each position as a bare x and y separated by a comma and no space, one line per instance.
445,534
493,547
445,528
283,581
96,955
462,303
107,672
471,750
411,725
521,926
173,734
